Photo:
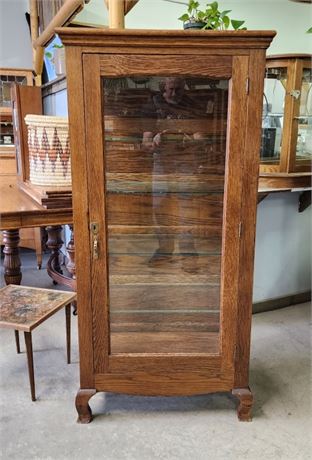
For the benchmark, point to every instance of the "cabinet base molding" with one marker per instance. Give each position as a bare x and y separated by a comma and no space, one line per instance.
245,403
244,395
82,406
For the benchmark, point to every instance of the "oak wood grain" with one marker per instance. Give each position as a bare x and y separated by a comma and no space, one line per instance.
80,217
186,65
250,165
151,362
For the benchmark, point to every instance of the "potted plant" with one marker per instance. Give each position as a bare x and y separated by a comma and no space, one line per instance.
209,19
193,18
57,57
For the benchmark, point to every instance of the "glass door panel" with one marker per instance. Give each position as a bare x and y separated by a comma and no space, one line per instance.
165,147
304,138
273,114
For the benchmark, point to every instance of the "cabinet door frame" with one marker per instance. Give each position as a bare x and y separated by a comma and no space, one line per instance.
204,372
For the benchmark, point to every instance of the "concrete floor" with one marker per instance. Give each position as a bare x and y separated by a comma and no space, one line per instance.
139,428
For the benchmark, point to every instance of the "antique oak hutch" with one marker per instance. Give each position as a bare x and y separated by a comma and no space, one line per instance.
165,138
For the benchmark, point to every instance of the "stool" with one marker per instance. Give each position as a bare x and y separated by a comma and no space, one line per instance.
24,308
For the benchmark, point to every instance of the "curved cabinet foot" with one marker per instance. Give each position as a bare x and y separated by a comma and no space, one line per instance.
245,403
82,406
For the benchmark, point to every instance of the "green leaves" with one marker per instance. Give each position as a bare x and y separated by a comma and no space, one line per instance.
212,17
309,31
185,17
236,24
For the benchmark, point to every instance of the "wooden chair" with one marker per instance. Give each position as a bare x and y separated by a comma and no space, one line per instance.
24,308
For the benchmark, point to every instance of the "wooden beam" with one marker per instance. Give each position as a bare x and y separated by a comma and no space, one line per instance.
34,32
65,14
38,63
116,12
129,4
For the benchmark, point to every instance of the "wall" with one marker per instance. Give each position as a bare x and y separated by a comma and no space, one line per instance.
282,261
283,247
15,42
289,19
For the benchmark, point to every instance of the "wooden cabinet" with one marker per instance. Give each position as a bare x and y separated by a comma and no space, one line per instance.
8,77
286,148
165,138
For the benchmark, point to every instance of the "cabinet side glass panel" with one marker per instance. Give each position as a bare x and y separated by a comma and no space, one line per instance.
273,115
304,138
164,148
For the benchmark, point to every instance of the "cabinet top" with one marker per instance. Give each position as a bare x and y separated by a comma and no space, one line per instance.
289,56
146,38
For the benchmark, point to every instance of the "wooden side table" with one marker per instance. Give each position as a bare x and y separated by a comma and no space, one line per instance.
24,308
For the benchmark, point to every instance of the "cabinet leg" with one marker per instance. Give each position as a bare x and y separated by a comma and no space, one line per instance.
245,403
82,406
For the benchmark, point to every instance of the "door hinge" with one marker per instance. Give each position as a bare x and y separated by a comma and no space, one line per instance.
247,85
94,228
240,229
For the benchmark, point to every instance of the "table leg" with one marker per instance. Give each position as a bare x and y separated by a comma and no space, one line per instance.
71,266
30,362
67,316
17,341
12,262
54,243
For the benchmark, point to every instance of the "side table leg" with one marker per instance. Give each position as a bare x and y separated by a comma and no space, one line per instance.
82,406
245,403
30,362
17,341
67,317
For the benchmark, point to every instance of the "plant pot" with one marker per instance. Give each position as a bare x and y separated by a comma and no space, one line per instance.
193,25
59,61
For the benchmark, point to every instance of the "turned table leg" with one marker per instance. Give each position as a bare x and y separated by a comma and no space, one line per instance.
245,398
54,243
12,263
71,266
82,406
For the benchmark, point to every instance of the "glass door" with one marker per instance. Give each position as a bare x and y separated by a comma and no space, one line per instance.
304,120
165,149
165,186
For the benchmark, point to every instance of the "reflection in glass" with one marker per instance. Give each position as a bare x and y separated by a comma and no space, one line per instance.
273,112
165,145
304,138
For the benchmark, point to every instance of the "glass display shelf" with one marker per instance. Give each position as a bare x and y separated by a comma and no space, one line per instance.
286,148
165,142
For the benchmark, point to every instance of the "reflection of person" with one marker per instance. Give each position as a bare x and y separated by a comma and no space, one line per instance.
172,103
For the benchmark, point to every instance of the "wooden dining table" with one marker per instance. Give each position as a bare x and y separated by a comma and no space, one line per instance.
17,211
